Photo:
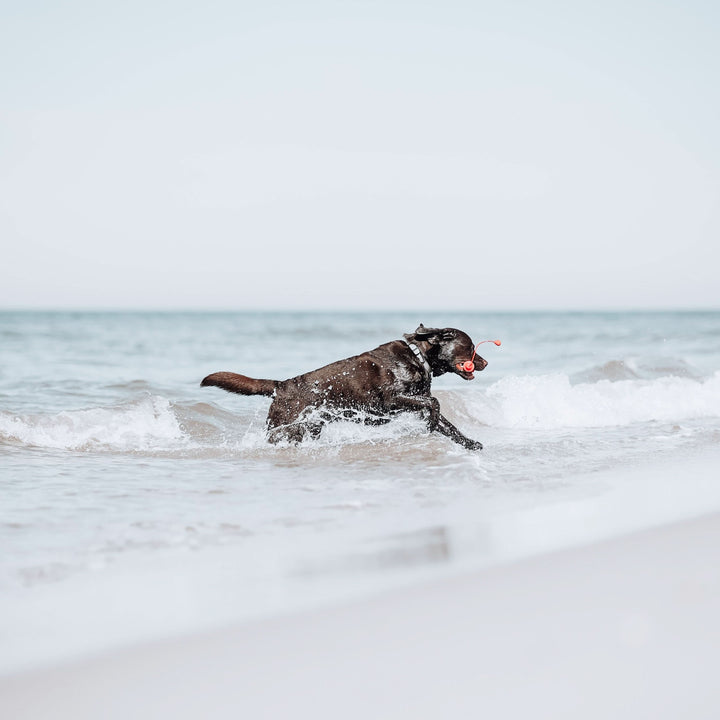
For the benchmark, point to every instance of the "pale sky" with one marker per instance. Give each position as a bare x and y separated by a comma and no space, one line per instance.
361,155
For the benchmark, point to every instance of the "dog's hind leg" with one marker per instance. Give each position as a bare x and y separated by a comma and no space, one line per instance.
285,433
294,432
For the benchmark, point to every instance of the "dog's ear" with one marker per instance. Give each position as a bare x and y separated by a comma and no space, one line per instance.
434,335
423,333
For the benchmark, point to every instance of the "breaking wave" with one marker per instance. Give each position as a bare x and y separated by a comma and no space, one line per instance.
552,401
139,425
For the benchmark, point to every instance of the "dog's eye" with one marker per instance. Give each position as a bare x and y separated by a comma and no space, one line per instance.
448,335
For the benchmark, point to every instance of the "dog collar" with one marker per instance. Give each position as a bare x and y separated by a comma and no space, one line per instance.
419,355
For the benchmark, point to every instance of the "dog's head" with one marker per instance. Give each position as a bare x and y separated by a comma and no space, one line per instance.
447,349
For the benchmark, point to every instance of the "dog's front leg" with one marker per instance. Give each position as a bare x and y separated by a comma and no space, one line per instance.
425,404
445,427
436,422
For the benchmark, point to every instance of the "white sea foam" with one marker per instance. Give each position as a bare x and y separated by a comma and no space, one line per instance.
551,401
139,425
539,402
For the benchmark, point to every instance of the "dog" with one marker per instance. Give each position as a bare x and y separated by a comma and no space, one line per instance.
371,387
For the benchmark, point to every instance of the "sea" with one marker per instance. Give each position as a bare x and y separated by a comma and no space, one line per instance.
136,505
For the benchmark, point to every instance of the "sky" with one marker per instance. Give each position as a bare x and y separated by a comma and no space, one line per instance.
376,155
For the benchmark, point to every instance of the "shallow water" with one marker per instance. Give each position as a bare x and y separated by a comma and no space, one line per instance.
135,503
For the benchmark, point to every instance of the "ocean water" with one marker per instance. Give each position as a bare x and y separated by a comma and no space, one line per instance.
135,504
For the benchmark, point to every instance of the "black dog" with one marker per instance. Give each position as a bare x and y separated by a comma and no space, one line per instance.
392,378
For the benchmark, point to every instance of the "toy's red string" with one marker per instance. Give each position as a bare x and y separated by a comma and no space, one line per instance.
469,365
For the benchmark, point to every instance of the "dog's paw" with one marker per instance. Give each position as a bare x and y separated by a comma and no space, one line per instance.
473,445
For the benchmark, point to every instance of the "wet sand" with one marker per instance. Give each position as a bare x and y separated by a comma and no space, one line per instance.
625,628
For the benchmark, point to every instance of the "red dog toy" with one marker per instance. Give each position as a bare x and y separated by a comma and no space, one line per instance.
469,365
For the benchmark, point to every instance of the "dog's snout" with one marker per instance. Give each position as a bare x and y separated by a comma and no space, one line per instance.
480,363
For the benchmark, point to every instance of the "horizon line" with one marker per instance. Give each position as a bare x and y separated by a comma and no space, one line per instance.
353,310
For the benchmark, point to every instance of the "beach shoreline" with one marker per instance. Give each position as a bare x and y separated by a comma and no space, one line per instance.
179,593
625,627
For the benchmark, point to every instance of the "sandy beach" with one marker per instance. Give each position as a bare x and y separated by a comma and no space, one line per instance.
626,628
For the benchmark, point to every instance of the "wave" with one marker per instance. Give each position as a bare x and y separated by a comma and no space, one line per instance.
155,424
140,425
637,368
553,401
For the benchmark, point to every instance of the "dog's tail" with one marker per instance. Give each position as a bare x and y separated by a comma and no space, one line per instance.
240,384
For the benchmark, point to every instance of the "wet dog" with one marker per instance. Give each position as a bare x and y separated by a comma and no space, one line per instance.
374,386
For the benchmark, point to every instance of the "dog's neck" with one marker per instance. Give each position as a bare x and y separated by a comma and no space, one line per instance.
419,354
